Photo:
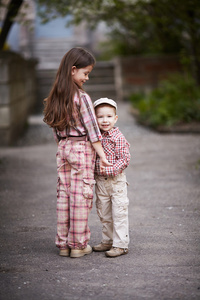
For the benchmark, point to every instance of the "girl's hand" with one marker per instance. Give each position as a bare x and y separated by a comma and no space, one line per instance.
104,163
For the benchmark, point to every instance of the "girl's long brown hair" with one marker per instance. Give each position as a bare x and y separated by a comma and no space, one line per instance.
59,106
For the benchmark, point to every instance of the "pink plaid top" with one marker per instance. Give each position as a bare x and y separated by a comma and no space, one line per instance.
117,152
87,124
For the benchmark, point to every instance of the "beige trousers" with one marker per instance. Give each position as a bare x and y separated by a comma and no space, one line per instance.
112,209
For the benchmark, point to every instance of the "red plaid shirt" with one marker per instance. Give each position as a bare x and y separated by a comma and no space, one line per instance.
117,152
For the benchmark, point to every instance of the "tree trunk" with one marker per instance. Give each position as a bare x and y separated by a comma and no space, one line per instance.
13,9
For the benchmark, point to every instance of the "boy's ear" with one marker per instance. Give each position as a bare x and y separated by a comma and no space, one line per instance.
116,118
73,70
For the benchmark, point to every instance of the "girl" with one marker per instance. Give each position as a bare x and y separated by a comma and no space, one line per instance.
69,111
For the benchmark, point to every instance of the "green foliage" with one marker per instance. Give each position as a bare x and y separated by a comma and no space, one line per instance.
175,101
139,26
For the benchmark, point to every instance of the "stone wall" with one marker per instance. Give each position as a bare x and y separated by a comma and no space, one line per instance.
17,95
142,74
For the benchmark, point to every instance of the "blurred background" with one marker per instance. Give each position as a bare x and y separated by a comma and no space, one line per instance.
148,53
148,60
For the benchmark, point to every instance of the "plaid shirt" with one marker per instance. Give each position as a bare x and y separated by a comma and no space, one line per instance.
117,152
87,124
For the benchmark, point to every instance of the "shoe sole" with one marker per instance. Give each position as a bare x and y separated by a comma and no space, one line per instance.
75,255
95,250
124,253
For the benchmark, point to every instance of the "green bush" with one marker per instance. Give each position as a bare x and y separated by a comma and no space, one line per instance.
175,101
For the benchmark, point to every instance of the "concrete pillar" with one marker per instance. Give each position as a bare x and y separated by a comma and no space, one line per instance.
17,95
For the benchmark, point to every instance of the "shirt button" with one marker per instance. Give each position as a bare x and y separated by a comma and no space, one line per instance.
106,178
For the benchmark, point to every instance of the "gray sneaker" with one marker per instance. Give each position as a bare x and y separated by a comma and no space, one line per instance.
115,251
102,247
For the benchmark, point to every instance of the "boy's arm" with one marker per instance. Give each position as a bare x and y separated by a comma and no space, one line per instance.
123,156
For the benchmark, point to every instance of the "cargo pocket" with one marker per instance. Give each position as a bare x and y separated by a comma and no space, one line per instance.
120,193
75,155
119,187
88,185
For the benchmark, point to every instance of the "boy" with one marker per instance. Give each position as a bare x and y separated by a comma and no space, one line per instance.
111,185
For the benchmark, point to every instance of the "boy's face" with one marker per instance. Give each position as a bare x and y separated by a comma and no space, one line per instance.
106,117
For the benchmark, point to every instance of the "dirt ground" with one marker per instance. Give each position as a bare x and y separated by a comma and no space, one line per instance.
164,192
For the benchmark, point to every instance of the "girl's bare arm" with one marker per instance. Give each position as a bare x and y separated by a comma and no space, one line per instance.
103,160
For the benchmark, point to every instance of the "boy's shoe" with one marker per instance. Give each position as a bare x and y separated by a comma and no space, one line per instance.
115,251
64,252
81,252
102,247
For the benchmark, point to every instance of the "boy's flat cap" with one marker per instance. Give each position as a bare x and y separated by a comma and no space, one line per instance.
105,101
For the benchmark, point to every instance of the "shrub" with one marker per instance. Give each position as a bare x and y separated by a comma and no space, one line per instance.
175,101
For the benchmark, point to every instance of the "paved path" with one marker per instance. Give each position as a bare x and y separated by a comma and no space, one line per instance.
164,191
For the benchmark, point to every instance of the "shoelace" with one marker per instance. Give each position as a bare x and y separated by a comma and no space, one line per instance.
124,250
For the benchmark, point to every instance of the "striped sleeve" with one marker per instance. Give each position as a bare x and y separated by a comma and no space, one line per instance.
89,118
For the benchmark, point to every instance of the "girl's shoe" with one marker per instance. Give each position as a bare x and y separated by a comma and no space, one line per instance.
102,247
115,251
81,252
64,252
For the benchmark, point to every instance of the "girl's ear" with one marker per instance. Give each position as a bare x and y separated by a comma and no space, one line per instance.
73,70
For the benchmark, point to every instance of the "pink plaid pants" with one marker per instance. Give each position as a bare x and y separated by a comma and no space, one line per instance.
75,167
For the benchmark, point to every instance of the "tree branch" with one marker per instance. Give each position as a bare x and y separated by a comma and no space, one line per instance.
13,9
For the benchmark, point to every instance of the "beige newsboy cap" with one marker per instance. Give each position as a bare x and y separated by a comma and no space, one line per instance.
105,101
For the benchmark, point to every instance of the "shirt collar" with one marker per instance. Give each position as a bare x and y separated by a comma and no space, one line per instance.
110,132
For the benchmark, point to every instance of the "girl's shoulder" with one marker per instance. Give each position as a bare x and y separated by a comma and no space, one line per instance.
83,93
83,97
78,95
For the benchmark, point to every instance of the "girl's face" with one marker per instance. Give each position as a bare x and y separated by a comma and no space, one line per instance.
106,117
80,76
